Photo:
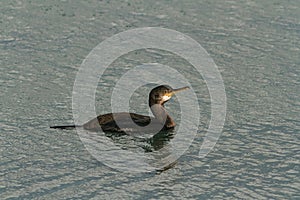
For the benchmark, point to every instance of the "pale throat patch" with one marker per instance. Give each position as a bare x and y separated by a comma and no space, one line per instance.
166,98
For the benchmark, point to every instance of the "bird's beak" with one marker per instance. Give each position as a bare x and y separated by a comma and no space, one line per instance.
180,89
176,90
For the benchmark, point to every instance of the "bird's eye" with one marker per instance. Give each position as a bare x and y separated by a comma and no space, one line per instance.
156,96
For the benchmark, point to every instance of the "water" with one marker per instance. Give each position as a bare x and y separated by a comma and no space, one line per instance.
256,47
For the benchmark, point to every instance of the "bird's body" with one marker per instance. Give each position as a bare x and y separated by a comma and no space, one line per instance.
123,122
120,122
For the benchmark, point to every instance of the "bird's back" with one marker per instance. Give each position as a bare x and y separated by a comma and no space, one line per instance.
122,122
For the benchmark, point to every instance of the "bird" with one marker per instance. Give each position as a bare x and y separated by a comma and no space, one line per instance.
122,122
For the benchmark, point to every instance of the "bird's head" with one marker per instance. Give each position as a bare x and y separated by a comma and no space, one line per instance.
163,93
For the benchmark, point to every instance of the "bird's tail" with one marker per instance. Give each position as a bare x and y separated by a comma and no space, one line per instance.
66,126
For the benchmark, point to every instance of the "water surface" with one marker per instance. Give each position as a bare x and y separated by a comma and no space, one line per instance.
256,47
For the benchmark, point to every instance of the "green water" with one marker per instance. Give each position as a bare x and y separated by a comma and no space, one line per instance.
256,45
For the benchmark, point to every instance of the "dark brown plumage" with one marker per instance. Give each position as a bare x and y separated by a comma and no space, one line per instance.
122,122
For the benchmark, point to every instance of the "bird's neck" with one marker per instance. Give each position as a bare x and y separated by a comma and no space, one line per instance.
162,115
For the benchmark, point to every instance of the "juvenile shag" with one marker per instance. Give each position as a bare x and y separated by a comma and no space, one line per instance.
122,122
